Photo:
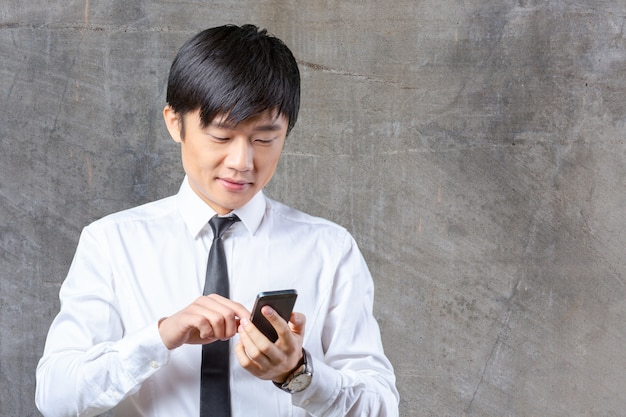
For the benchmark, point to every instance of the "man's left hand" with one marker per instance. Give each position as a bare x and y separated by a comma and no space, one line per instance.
267,360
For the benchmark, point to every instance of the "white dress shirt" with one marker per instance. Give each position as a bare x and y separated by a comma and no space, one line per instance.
134,267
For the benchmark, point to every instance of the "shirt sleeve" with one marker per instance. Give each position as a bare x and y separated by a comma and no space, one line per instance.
352,377
87,347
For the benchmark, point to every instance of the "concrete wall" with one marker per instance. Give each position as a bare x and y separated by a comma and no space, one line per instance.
475,148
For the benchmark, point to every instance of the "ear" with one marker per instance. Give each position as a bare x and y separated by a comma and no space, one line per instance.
173,123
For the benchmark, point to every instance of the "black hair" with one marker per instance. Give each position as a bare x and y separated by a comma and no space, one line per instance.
234,71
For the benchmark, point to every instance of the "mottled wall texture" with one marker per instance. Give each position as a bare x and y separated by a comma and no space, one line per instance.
475,149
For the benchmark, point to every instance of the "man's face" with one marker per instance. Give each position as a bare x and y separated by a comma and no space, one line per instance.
227,165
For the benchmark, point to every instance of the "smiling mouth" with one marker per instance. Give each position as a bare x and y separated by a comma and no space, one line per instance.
234,185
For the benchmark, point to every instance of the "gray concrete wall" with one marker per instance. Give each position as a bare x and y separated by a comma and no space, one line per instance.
475,149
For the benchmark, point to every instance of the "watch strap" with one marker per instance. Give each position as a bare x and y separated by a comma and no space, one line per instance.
304,367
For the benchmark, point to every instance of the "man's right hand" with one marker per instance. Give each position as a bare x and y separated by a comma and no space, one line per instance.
206,320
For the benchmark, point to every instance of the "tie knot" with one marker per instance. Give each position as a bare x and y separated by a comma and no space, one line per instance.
221,224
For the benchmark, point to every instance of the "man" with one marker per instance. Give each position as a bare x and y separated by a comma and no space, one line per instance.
133,319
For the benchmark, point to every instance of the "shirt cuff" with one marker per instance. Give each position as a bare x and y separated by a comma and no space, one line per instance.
143,353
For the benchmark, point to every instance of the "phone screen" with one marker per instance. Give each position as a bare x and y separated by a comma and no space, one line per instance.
281,301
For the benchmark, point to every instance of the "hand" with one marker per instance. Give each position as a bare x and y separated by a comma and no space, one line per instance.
267,360
206,320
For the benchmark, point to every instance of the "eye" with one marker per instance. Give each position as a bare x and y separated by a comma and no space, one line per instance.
218,138
264,141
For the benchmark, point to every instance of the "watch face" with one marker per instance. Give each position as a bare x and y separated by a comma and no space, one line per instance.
300,382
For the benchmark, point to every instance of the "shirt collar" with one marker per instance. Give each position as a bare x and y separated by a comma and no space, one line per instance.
196,213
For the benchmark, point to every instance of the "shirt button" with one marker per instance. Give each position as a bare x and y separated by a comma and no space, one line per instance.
154,364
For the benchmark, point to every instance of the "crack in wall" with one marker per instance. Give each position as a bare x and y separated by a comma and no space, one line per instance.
501,336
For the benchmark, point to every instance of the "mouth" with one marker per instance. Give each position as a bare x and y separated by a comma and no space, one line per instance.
233,184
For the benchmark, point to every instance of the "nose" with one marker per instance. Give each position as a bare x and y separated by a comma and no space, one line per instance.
240,155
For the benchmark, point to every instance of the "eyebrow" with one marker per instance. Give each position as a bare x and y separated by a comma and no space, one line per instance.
272,127
267,127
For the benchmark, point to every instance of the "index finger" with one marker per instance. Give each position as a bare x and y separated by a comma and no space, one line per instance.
238,308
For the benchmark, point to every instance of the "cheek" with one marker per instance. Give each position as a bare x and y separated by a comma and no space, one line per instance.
198,158
274,157
272,162
187,158
265,168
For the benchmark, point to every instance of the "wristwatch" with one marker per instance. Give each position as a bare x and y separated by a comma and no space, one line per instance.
300,378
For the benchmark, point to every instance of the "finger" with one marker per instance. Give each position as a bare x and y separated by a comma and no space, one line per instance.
297,323
253,351
212,323
245,361
253,339
279,324
203,326
222,319
240,352
239,309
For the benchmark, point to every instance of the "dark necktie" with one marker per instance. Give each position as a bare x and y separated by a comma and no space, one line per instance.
214,381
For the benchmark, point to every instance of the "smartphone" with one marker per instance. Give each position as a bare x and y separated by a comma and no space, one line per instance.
281,301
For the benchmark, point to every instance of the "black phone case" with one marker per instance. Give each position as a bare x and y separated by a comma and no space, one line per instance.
281,301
